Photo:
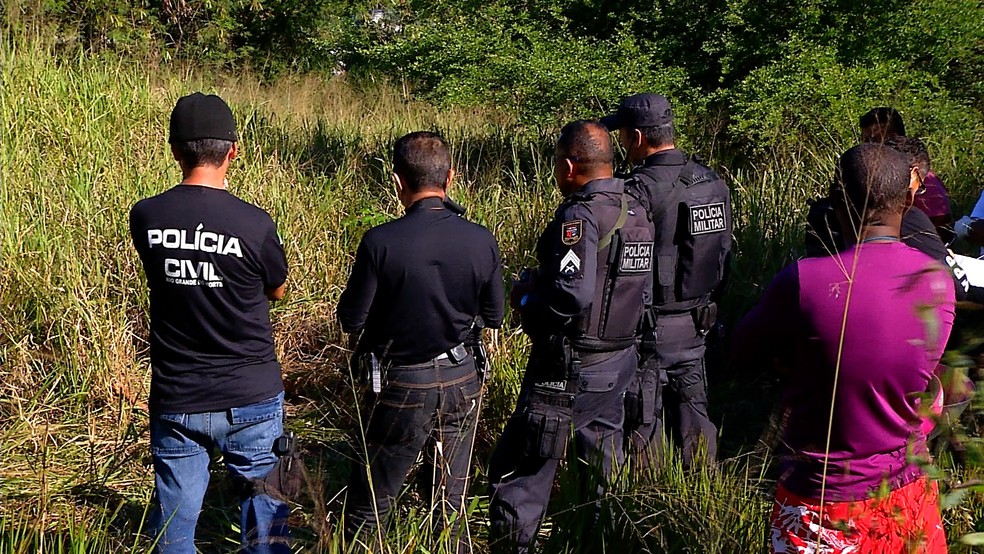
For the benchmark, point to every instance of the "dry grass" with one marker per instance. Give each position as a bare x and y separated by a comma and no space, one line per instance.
83,139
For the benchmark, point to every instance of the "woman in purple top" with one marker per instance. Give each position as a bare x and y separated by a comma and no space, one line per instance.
858,335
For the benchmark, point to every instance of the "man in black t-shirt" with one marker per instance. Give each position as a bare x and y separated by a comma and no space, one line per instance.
418,287
213,264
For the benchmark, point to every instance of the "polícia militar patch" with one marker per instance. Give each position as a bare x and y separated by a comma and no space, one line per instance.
707,218
636,257
570,232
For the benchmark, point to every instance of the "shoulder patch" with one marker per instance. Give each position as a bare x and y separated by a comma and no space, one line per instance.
570,264
571,231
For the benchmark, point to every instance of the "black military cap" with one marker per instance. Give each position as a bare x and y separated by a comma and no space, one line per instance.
198,116
641,110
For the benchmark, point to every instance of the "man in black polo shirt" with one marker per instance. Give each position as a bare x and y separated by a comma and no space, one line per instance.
691,210
416,289
213,263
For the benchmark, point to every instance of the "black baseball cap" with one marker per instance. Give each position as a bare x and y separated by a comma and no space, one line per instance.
198,116
641,110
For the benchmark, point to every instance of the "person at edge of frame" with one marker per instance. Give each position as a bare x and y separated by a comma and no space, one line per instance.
824,235
691,210
885,125
213,264
856,335
580,308
418,286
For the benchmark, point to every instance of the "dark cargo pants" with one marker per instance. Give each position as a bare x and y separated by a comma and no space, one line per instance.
677,388
439,400
520,480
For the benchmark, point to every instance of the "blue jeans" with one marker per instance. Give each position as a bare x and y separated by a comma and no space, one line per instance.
181,446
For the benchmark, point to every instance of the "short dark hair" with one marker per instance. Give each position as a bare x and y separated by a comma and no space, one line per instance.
886,122
871,180
204,152
587,142
658,135
423,159
914,148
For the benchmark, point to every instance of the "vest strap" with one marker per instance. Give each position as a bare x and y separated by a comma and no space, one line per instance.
623,216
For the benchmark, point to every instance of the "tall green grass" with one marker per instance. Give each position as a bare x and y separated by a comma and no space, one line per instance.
83,138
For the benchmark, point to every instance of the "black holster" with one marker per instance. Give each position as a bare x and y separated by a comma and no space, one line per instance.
705,317
550,404
643,400
476,347
287,479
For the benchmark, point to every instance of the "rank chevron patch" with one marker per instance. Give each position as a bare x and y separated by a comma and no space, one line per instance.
570,264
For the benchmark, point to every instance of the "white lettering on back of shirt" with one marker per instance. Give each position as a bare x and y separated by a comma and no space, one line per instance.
202,241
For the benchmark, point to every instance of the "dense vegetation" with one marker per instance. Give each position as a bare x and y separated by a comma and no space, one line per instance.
755,74
769,92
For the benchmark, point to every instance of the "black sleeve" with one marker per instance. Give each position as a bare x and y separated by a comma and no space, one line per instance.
492,296
918,232
356,299
273,259
566,282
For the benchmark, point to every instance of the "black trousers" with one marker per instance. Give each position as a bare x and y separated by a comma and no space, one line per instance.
438,400
674,387
520,480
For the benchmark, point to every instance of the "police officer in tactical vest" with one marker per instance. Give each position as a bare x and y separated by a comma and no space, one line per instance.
691,211
580,307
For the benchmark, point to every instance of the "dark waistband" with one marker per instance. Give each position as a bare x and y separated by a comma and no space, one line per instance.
443,356
588,358
443,359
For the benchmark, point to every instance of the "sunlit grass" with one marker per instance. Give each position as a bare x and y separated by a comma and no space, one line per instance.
83,138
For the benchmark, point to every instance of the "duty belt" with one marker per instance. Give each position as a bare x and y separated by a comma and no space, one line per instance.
588,358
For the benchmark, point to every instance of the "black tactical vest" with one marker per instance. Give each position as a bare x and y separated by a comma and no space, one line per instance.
625,265
693,235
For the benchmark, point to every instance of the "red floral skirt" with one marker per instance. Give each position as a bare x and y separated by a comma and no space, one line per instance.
906,521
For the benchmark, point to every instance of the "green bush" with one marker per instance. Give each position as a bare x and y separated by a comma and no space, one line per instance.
809,101
498,55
